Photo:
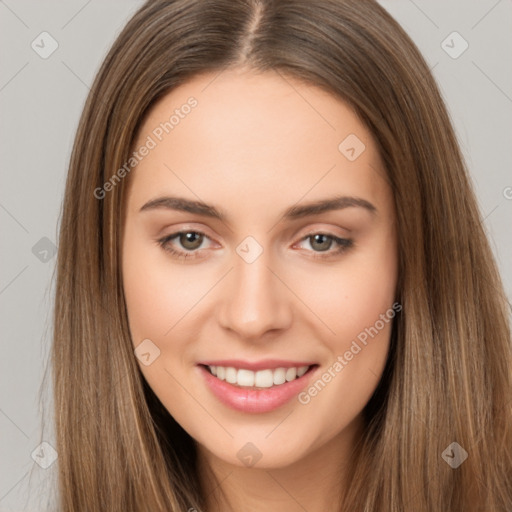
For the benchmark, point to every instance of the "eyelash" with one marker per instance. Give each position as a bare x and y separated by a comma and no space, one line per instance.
343,245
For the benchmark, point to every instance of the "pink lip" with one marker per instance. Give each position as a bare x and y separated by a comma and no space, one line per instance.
264,364
254,400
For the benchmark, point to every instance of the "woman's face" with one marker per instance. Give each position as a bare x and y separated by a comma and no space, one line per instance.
287,262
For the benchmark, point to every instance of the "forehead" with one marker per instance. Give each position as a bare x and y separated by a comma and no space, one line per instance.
237,133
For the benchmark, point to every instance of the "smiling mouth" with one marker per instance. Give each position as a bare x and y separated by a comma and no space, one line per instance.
260,379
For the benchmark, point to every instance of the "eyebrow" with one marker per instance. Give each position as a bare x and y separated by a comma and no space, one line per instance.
291,213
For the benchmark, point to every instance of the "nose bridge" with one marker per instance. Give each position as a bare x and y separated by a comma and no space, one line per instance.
255,301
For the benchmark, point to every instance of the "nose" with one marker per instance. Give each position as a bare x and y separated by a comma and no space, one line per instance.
255,300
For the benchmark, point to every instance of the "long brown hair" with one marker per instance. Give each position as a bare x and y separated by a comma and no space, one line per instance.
448,377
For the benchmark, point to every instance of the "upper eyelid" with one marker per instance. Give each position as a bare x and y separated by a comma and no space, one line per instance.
311,231
175,235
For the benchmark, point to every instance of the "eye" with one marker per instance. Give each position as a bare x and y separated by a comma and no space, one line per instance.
191,241
322,243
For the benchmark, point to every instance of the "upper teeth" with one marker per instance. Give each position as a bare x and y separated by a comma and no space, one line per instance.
261,378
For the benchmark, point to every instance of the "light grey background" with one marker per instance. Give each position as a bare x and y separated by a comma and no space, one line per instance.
40,103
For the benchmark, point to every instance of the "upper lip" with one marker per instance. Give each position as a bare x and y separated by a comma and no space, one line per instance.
263,364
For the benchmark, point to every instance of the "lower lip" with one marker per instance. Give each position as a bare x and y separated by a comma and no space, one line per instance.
255,400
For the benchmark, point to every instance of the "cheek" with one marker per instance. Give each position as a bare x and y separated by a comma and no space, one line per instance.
352,296
157,294
358,305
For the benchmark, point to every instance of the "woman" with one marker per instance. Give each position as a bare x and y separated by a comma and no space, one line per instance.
274,290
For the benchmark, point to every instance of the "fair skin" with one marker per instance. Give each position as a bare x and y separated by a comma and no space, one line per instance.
254,146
